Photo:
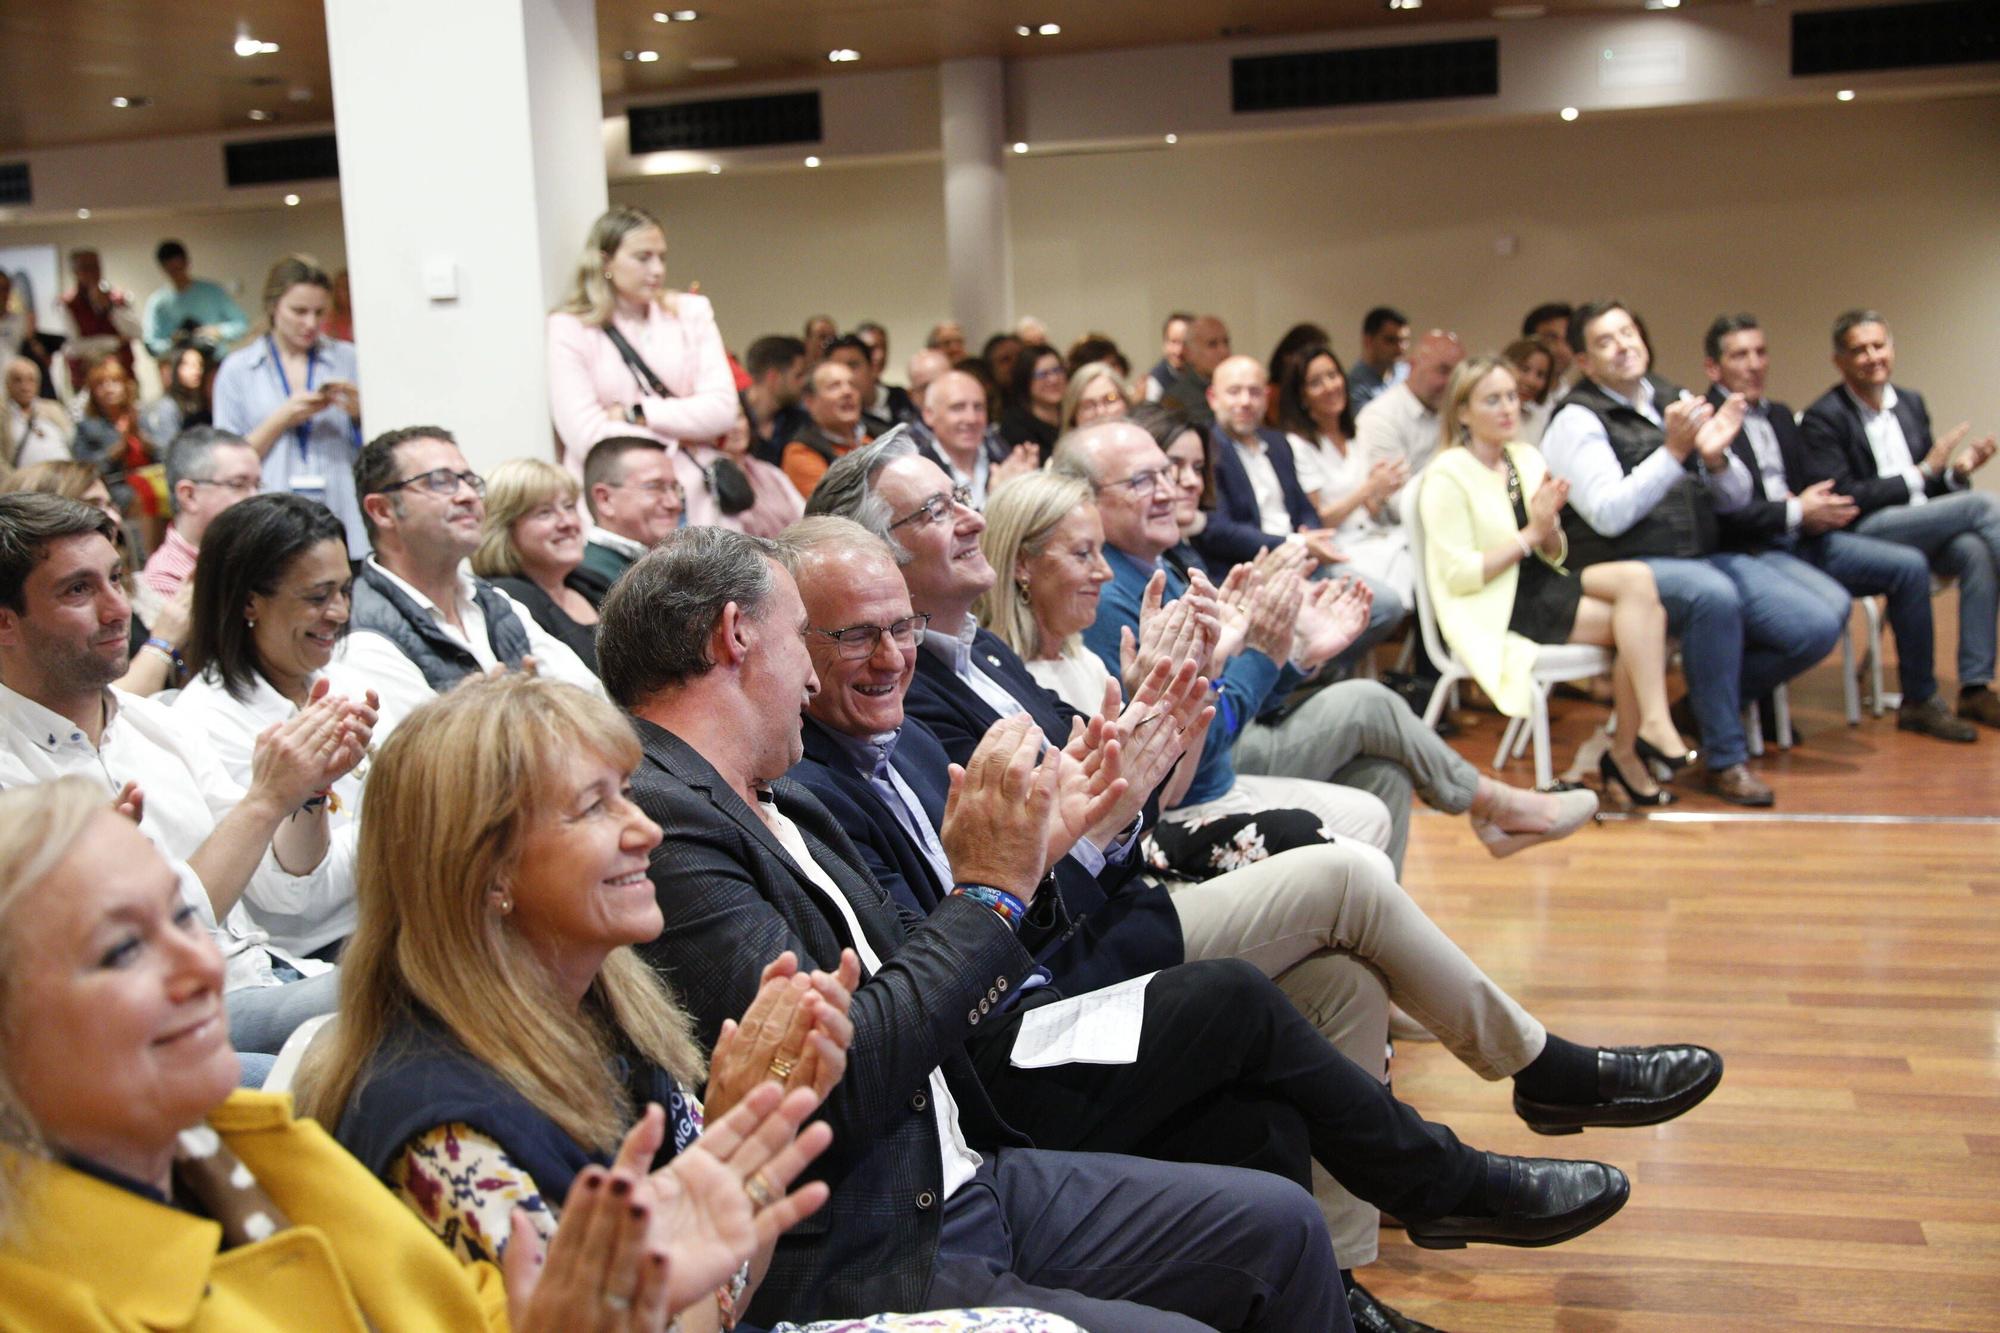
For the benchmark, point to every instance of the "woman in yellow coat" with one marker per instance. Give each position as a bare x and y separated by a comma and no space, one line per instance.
139,1190
1493,561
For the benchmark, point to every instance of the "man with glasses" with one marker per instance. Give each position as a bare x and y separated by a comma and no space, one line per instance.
421,622
635,501
208,470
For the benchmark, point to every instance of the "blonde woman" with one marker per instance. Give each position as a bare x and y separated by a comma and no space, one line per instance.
139,1187
629,356
1493,558
1096,392
531,544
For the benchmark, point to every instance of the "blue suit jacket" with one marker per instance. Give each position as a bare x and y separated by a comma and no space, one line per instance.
1232,535
1762,521
1837,447
1123,924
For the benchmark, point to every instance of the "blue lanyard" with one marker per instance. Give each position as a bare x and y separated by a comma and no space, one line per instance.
303,431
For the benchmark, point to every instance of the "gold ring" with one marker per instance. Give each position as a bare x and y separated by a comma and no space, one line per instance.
781,1068
759,1190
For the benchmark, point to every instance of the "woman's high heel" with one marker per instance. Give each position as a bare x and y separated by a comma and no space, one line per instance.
1653,754
1607,768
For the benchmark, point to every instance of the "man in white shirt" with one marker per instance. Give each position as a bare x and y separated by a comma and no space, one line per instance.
963,442
1873,441
421,622
1400,424
64,625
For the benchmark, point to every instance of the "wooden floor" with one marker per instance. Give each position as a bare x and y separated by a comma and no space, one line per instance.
1847,1172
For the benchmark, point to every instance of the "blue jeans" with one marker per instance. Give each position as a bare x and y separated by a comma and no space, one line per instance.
1959,535
1705,612
1793,615
261,1017
1866,567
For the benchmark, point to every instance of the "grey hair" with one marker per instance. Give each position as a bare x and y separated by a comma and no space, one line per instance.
191,456
1073,455
829,535
848,488
1849,320
654,627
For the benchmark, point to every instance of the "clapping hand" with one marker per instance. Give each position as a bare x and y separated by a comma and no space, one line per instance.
1318,543
1275,612
1023,459
130,802
796,1031
1331,617
996,817
1545,508
295,759
600,1274
1184,630
1821,510
1976,454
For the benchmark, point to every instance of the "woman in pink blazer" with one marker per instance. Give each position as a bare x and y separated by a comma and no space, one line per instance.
675,387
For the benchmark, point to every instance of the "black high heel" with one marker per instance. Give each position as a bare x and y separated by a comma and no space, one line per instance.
1607,769
1673,763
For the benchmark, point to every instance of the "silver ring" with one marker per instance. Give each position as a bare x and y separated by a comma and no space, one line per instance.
619,1303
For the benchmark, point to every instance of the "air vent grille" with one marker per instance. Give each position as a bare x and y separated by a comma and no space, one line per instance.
725,122
309,157
15,186
1366,75
1879,37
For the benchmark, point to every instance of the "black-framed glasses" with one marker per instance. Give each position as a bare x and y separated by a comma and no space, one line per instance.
440,481
855,642
1141,483
938,508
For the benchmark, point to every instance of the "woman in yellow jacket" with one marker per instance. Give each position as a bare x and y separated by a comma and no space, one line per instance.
1493,561
116,1215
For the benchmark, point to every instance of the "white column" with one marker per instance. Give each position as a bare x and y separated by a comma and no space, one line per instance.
471,166
978,254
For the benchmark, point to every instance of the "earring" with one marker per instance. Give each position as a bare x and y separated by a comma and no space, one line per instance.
503,902
1021,591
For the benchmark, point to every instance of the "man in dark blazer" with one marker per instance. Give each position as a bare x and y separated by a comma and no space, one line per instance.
703,642
1798,525
1873,441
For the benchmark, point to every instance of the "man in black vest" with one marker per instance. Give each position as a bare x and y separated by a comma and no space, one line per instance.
1801,526
1874,442
421,622
1649,467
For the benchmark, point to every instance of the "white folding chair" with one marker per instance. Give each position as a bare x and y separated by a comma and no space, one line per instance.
1880,700
293,1051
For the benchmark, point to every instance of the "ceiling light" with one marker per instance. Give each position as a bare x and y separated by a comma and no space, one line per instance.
812,161
291,201
1569,113
260,115
1020,148
715,168
1844,95
247,46
83,213
123,103
841,55
1023,30
1173,138
1049,30
648,57
675,16
1402,4
1663,4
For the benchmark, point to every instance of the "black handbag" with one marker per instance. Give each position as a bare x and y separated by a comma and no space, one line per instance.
727,482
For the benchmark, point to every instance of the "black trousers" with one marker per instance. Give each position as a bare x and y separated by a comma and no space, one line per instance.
1230,1073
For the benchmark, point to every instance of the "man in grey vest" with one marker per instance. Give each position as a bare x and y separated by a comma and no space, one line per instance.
1649,467
421,622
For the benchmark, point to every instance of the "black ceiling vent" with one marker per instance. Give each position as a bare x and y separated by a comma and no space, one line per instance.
725,122
15,187
1856,41
1365,75
308,157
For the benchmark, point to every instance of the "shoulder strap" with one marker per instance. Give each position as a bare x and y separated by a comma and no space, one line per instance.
641,372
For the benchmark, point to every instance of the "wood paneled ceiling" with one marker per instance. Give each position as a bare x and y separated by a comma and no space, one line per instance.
62,62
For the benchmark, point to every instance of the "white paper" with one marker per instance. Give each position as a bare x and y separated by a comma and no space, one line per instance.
1101,1028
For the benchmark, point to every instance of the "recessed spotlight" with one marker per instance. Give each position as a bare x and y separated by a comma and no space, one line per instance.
1049,30
812,161
1020,148
675,16
649,57
842,55
1402,4
1844,95
261,115
247,46
715,168
133,103
1023,30
291,201
1569,113
1663,4
83,213
1173,138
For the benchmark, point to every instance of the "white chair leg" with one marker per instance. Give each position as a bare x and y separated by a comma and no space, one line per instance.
1446,684
1781,708
1506,744
1753,729
1850,687
1873,610
1539,722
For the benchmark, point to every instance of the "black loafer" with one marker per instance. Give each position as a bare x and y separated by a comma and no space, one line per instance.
1547,1202
1371,1316
1636,1085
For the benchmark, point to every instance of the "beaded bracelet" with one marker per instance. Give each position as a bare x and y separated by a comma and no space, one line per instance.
1010,908
171,653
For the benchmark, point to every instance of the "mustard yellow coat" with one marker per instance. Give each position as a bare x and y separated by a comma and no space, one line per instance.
1465,512
88,1255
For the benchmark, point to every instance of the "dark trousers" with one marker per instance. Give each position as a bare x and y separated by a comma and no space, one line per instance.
1121,1245
1867,566
1229,1072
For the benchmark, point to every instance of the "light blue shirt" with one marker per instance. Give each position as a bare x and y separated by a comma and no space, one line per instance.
251,385
1611,499
204,302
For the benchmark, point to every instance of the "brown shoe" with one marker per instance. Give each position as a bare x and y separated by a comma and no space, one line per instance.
1739,786
1981,705
1932,718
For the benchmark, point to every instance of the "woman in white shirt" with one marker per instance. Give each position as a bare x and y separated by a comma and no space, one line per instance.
1534,374
1349,493
270,606
628,356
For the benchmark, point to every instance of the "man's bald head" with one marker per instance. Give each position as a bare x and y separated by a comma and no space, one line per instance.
954,408
1207,345
1132,480
1238,393
926,364
1432,360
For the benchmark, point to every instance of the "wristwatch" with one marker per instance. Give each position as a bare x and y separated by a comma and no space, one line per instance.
635,415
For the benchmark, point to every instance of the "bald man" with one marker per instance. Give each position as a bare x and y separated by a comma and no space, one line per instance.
963,443
1402,421
1207,347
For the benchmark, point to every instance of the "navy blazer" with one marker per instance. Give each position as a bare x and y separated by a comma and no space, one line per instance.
1233,535
1837,447
1762,521
733,900
1124,925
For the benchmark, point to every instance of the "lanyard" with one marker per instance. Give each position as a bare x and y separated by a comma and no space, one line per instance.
303,431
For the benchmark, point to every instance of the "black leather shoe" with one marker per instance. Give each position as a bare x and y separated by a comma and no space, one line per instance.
1636,1085
1546,1202
1371,1316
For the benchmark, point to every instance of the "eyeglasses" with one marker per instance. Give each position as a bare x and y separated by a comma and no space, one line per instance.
1051,373
938,508
656,489
440,481
856,642
1140,483
234,485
